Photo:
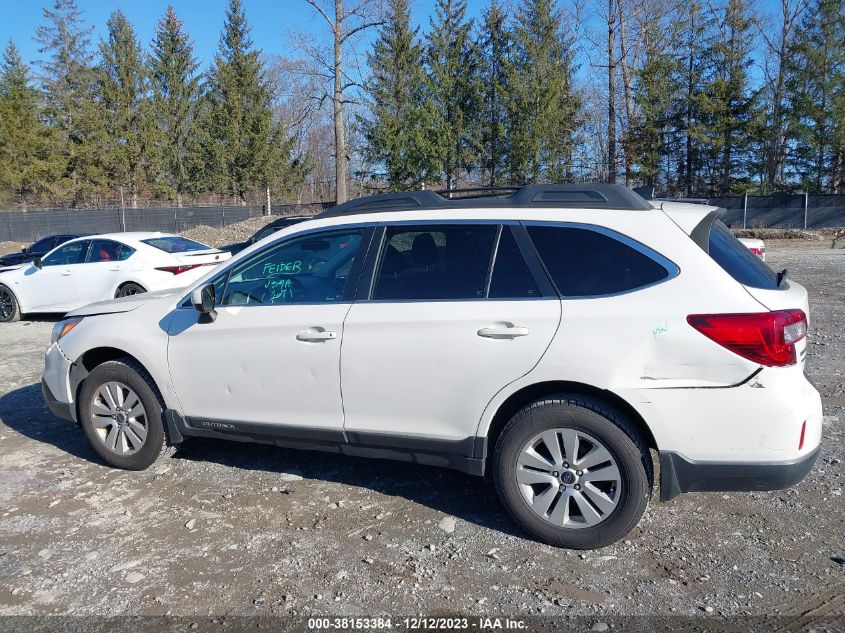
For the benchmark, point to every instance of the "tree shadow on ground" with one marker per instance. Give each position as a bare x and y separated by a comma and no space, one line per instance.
451,492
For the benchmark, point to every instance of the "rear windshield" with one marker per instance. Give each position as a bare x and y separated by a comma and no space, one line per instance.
738,261
175,244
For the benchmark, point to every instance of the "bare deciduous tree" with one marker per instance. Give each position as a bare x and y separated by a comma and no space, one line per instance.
333,64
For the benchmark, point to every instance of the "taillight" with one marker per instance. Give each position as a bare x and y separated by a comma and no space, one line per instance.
178,270
757,251
767,338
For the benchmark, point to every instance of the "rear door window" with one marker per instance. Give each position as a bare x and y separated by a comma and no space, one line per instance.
108,251
584,262
435,262
738,261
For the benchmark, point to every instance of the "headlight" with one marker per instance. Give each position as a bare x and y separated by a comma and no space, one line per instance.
63,327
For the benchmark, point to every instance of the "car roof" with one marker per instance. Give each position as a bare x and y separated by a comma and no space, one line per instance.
554,196
128,236
287,220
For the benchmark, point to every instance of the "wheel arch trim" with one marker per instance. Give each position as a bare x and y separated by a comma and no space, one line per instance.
507,403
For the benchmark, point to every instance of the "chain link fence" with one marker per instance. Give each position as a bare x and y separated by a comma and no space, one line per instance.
799,211
29,226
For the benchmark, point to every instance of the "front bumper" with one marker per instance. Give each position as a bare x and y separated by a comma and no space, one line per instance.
55,384
678,474
61,410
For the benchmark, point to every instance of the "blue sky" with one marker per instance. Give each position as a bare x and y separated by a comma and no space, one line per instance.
271,20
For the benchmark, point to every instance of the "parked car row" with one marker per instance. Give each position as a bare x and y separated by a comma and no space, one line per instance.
86,269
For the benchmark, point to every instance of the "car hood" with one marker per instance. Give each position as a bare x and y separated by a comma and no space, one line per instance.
5,268
123,304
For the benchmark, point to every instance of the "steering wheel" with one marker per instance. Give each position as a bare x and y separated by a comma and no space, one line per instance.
286,289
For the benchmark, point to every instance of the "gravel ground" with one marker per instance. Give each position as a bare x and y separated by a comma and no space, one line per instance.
239,529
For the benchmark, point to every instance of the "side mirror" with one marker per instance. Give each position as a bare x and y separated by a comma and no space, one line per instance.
38,263
203,300
23,249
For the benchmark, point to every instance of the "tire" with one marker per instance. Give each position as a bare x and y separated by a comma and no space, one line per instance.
129,289
10,310
114,383
546,503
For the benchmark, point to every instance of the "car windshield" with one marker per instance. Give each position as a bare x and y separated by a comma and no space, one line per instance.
175,244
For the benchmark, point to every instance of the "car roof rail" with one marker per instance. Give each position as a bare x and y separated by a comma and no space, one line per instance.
557,196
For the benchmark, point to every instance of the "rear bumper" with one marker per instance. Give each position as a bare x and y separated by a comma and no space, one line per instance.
679,474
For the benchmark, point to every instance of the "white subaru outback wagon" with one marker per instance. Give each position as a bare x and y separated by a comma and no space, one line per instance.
550,338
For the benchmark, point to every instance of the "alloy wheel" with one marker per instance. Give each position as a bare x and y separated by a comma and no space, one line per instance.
7,304
568,478
119,418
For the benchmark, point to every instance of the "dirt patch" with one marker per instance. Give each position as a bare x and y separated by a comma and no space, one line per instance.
10,247
239,232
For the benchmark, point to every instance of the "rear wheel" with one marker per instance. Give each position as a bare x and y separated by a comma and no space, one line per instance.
129,289
573,472
121,415
9,308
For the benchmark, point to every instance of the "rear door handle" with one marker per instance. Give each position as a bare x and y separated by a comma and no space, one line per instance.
316,336
66,273
503,331
114,270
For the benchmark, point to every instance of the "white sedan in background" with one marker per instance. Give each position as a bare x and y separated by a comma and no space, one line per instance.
755,246
100,267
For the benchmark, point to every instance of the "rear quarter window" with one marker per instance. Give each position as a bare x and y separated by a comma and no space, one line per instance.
175,244
738,261
583,262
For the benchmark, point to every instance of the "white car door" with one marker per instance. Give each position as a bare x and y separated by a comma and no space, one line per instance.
97,278
445,329
270,360
53,288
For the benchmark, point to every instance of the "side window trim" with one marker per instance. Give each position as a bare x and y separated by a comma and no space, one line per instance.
535,264
672,269
368,273
492,263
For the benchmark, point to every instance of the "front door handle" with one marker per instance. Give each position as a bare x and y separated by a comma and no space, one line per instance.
66,273
316,335
504,331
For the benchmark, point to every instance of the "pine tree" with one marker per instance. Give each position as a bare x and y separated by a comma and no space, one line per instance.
246,147
125,106
24,139
816,83
653,96
543,111
72,107
176,151
730,104
495,45
399,132
453,88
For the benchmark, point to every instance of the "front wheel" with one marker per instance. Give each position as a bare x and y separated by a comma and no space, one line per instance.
573,472
9,308
121,415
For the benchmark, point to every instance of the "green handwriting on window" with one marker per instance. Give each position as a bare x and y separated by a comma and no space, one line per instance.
272,269
280,289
